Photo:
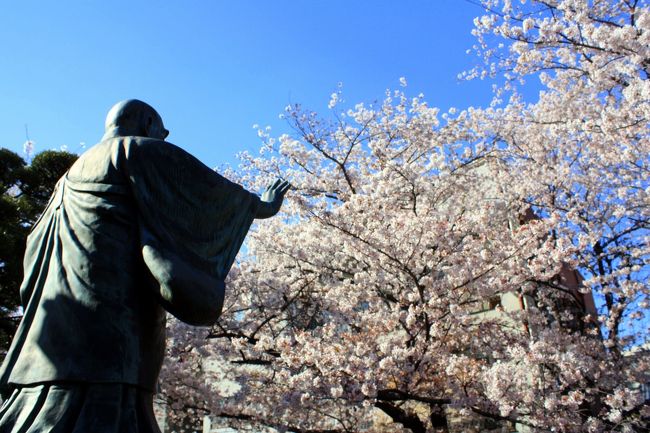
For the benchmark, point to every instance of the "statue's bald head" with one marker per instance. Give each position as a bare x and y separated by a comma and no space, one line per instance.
134,117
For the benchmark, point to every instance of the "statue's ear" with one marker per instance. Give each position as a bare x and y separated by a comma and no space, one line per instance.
148,126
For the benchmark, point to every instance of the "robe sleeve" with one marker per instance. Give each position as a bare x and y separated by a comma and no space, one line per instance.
192,223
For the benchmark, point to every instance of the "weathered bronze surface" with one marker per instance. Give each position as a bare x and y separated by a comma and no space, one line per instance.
137,227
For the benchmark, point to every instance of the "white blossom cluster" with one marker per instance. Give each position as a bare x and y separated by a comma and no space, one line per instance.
365,296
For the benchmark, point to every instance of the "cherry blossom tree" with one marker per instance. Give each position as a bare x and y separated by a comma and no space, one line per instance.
364,307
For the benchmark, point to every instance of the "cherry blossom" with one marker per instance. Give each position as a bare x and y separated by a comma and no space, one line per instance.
367,305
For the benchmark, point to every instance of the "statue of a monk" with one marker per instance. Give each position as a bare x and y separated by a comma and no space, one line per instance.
137,227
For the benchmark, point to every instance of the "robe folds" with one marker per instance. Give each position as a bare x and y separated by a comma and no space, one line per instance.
135,228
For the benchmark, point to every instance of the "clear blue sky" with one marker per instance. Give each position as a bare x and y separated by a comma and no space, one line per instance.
215,68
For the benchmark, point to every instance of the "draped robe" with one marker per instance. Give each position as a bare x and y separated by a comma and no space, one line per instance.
136,227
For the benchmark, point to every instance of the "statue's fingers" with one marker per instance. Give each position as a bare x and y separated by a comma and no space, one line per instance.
271,186
274,186
284,187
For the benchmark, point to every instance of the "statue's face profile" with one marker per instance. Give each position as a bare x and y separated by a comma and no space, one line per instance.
134,117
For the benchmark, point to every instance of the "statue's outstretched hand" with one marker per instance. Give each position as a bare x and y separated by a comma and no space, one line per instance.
272,198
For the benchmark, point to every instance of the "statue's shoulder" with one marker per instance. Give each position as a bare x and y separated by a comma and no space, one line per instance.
146,146
149,150
98,163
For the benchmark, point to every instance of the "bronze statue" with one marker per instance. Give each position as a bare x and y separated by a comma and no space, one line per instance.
137,227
